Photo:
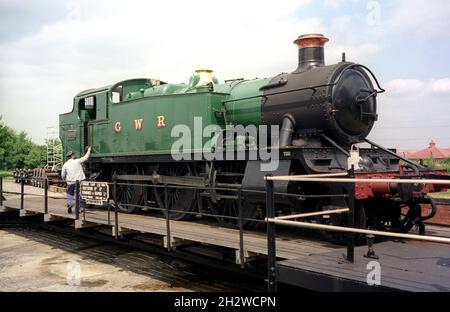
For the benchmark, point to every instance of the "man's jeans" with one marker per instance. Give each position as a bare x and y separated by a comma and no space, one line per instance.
70,195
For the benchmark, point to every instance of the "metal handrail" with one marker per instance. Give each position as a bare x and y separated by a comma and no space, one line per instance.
238,191
350,180
358,180
434,239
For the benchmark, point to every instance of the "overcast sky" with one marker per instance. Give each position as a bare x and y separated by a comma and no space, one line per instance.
52,49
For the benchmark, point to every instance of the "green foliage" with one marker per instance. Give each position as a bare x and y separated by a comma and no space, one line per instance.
441,164
37,156
441,195
17,150
5,173
446,164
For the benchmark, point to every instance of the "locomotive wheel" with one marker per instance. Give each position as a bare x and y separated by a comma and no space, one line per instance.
340,238
129,196
179,199
400,216
404,221
228,205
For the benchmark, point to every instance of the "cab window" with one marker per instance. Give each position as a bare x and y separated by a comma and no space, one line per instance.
117,94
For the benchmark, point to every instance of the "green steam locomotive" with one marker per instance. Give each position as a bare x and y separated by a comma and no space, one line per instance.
308,120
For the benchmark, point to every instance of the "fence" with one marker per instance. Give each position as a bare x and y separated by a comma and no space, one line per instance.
350,180
271,220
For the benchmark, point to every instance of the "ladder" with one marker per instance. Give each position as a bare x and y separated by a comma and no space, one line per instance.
54,149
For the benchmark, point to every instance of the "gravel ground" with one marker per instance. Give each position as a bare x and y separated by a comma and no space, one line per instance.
38,260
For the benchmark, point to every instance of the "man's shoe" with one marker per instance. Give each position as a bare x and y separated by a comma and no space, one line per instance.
69,209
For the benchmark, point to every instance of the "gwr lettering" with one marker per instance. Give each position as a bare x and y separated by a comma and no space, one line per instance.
138,124
160,122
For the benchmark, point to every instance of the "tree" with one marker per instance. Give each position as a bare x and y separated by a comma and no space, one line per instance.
36,157
21,149
17,150
7,140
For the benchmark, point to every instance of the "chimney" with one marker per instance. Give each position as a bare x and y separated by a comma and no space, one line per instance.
310,51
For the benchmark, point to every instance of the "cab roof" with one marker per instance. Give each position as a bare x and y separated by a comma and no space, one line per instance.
110,87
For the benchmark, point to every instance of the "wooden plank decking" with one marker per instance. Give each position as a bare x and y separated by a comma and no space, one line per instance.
405,265
254,243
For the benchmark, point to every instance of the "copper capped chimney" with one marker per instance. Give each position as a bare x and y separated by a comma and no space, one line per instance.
310,51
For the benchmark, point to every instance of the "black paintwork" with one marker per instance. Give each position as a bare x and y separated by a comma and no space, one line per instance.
337,100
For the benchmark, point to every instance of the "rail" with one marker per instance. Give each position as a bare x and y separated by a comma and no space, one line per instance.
349,180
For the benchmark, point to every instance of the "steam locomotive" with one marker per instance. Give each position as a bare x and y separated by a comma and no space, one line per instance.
314,118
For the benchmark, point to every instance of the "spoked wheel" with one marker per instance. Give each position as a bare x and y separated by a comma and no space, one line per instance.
230,207
340,238
400,216
227,204
178,199
129,196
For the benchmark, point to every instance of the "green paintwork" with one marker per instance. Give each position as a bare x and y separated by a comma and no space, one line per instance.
247,111
147,99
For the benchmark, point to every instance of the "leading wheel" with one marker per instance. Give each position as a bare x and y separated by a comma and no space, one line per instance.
398,216
340,238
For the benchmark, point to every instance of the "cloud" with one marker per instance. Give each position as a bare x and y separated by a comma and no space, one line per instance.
413,111
341,23
363,53
337,3
21,18
413,87
98,43
440,86
424,18
50,51
404,86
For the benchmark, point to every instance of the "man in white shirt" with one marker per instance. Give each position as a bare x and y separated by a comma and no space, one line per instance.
72,171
